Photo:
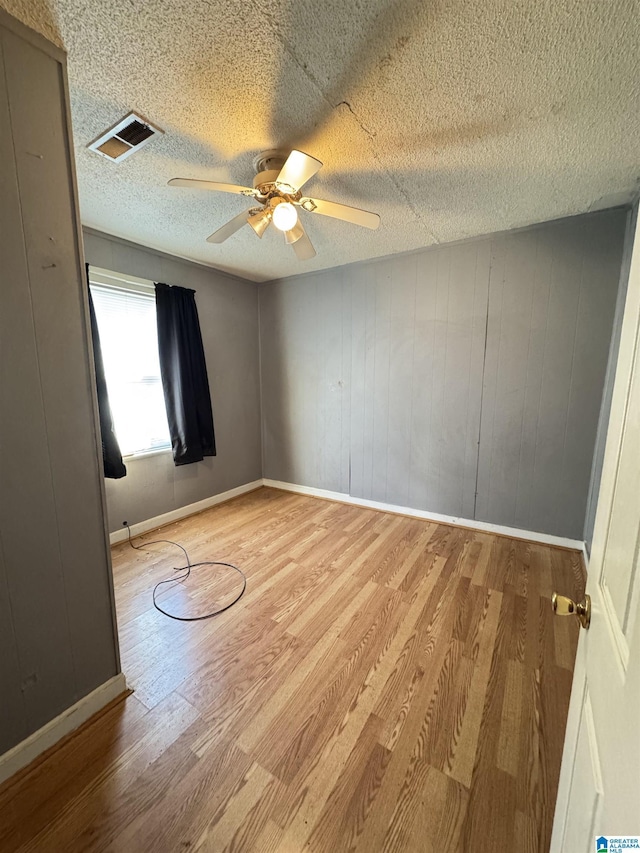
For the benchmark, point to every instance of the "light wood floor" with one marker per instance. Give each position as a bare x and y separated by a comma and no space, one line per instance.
385,684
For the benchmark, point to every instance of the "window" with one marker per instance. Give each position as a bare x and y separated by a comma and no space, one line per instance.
126,316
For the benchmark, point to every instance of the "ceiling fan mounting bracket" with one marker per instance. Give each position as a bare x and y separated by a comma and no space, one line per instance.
270,161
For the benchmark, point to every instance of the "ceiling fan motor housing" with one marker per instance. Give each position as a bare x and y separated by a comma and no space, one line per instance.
264,180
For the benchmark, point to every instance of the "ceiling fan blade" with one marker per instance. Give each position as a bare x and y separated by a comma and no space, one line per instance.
230,228
297,170
303,246
341,211
212,185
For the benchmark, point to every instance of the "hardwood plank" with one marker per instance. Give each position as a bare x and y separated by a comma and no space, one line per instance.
346,809
482,653
234,811
511,722
429,812
180,817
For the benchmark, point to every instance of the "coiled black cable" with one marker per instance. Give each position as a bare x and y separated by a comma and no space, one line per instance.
187,571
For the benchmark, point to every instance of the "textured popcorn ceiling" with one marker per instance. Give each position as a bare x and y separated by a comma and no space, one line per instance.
450,119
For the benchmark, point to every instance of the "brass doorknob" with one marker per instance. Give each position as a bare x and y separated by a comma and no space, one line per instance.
563,606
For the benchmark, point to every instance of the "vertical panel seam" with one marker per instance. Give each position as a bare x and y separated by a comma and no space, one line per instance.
351,383
413,366
503,262
260,379
347,420
444,370
571,379
542,369
524,399
374,385
341,385
463,479
484,366
392,291
387,401
316,465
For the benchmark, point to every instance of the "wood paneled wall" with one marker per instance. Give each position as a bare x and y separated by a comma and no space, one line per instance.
305,375
463,379
605,409
57,630
551,305
418,329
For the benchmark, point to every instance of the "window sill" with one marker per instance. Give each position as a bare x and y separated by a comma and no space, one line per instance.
143,454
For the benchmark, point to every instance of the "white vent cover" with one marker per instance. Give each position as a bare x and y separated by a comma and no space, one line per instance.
129,135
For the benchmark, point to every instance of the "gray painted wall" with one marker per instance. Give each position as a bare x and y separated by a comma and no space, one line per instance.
552,298
57,630
228,311
305,330
605,410
422,379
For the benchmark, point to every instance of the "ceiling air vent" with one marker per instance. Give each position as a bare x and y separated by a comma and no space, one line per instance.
129,135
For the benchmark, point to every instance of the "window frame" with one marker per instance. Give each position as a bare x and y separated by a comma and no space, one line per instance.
121,281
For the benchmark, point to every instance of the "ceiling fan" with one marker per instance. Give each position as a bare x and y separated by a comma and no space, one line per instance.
277,188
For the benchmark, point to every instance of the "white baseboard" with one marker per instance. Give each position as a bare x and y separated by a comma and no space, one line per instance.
485,526
65,723
182,512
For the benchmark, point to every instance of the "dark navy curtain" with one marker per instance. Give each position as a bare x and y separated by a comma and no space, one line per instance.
184,375
111,457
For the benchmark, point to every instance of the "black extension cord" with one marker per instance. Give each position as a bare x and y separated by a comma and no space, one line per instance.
187,571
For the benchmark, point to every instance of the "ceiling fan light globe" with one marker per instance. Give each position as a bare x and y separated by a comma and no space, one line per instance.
285,216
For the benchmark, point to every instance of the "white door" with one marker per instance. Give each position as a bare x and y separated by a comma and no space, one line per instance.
599,792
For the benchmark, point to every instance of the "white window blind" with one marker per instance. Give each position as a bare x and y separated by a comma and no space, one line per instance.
129,342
